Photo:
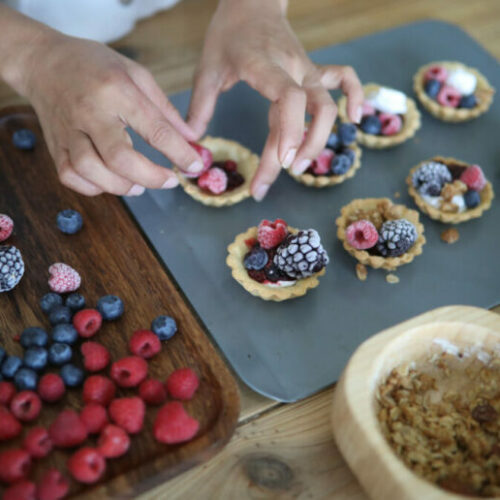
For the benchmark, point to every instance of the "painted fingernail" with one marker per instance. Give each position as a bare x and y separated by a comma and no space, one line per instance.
136,190
261,191
358,114
289,157
301,167
196,166
171,182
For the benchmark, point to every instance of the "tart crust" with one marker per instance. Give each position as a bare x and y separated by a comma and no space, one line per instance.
390,211
484,92
237,251
486,195
224,149
411,123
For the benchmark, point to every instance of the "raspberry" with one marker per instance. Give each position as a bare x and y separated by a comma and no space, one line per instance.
37,442
182,383
67,430
152,392
7,391
144,343
94,417
95,356
87,465
98,389
87,322
321,166
22,490
26,406
52,486
437,73
173,425
271,234
113,442
51,387
10,427
449,97
474,177
6,226
362,234
128,413
213,180
206,157
15,464
129,372
63,278
391,124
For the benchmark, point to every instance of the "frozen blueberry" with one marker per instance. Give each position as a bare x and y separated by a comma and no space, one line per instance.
346,133
59,353
75,301
110,307
340,164
60,314
472,198
64,333
35,358
26,379
72,375
69,221
468,101
34,336
333,142
432,88
50,300
164,327
371,124
10,366
256,259
24,139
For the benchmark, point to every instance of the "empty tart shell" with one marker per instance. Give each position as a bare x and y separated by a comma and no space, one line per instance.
378,210
411,123
236,253
486,195
223,149
484,93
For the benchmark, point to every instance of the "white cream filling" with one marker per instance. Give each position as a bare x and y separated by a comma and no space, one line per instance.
388,100
462,80
280,284
459,201
433,201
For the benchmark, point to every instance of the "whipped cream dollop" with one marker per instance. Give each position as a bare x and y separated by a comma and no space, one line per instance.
462,80
280,284
459,201
388,100
434,201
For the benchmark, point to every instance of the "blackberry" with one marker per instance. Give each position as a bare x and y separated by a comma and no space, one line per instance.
256,259
431,172
301,255
11,267
396,237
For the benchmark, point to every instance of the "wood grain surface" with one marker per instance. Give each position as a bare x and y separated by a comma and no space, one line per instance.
112,257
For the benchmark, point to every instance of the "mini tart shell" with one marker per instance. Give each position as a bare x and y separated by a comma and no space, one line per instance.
411,123
224,149
484,93
237,251
400,212
486,195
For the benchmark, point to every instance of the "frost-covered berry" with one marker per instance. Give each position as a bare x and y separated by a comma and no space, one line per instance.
396,237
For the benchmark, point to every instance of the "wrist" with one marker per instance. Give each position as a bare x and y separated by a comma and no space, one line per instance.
277,7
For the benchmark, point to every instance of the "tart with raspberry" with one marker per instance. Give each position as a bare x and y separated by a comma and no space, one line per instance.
379,233
452,91
389,117
277,262
450,190
228,171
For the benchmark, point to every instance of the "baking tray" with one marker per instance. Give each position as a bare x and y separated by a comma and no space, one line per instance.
290,350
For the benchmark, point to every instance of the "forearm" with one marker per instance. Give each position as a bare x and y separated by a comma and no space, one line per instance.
262,7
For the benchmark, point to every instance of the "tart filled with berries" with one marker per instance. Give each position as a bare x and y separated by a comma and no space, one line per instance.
453,92
276,262
450,190
389,117
228,171
379,233
339,160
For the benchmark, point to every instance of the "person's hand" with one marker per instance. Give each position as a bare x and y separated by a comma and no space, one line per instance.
251,40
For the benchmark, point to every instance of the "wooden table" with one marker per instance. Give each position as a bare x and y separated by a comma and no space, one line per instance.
281,451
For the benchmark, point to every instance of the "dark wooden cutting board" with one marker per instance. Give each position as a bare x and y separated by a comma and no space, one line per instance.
112,256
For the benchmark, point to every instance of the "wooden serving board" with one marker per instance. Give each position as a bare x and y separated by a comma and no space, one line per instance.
112,257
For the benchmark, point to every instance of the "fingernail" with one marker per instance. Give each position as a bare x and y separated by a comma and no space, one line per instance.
301,167
261,191
171,182
289,157
195,167
136,190
357,117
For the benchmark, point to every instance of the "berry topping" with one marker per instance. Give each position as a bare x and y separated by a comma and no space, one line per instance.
52,486
26,379
94,416
33,336
391,124
72,375
271,234
129,371
69,221
164,326
11,267
63,278
35,358
24,139
11,427
206,157
472,198
15,464
468,101
37,442
437,73
387,100
26,406
60,314
234,180
128,413
462,80
6,227
113,442
341,164
98,389
95,356
152,392
396,237
346,133
371,124
51,388
449,97
144,343
474,178
256,259
87,465
60,354
87,322
432,88
67,430
49,300
431,174
64,333
174,425
213,180
7,391
321,166
362,234
75,301
111,307
21,490
182,383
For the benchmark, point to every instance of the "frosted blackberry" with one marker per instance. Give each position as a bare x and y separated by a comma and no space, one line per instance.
301,255
396,237
431,173
11,267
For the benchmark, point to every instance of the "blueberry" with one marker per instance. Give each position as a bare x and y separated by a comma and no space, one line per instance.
59,353
472,198
110,307
26,379
50,300
69,221
432,88
24,139
340,164
164,327
11,365
75,301
2,355
371,124
64,333
346,133
34,336
350,154
468,101
333,142
72,375
60,314
256,259
35,358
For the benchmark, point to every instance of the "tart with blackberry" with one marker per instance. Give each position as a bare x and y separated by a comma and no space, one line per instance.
277,262
389,117
228,171
452,91
379,233
450,190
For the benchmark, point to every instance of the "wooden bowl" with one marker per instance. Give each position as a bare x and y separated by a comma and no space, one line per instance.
382,474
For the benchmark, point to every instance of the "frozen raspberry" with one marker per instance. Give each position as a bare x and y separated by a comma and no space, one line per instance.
7,391
474,178
6,226
37,442
26,406
52,486
21,490
113,442
144,343
15,464
87,322
449,97
95,417
391,124
362,234
87,465
128,413
213,180
206,157
173,424
152,392
129,371
98,389
10,427
67,430
51,387
63,278
321,166
95,356
182,383
271,234
367,109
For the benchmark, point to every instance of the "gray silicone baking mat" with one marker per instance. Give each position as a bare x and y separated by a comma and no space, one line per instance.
291,349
